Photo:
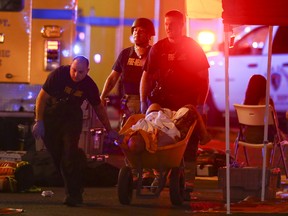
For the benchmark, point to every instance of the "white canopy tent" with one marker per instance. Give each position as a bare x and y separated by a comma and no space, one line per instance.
242,12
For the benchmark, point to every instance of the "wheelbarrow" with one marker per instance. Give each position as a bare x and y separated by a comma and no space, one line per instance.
166,160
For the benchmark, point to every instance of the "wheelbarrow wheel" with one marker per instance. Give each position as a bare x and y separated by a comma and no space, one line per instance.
125,185
177,186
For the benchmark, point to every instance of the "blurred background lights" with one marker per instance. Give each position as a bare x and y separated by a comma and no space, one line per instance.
131,39
255,45
212,63
81,36
76,49
247,29
30,95
97,58
206,39
65,53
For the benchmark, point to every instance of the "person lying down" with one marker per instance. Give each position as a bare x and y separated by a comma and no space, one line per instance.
162,126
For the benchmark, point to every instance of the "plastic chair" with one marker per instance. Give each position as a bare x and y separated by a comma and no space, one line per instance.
253,115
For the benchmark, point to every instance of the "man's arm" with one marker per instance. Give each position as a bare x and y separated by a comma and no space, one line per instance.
102,116
109,85
145,89
41,101
38,129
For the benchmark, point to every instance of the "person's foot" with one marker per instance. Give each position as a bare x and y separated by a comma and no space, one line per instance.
73,201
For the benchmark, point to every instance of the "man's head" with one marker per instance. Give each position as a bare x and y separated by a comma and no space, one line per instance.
174,23
142,30
79,68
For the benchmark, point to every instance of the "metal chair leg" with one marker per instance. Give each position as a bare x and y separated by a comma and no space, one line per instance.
283,159
246,155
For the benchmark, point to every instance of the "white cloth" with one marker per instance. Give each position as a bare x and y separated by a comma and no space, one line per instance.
162,120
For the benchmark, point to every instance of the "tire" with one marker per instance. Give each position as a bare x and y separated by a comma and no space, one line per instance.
177,186
125,185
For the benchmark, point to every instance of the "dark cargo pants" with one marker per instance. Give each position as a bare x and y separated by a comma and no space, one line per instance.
63,125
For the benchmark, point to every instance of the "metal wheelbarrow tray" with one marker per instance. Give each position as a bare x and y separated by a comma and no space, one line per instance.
166,159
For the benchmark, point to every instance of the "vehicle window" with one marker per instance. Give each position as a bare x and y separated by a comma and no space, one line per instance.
280,43
11,5
252,43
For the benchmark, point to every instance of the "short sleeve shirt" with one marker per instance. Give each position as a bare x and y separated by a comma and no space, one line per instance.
177,66
131,68
60,86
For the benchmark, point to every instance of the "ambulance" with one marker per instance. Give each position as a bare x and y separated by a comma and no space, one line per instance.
36,36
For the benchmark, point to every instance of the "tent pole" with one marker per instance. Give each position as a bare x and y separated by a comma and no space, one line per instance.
266,118
227,117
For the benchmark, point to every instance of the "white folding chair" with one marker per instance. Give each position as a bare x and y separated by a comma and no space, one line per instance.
253,115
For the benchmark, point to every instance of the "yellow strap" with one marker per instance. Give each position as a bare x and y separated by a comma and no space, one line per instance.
11,182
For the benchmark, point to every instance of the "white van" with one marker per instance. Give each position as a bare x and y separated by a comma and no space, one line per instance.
249,56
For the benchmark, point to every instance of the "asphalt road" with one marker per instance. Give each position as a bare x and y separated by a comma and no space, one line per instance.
207,200
103,201
97,201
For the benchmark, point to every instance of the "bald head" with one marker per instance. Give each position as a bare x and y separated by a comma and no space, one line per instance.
79,68
82,60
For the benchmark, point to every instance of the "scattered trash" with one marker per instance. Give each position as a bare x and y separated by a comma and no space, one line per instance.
4,211
47,193
33,189
282,194
206,206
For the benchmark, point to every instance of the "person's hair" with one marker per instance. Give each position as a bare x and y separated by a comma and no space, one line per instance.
175,14
256,90
82,59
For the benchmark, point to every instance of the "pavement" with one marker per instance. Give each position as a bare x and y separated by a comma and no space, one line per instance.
208,197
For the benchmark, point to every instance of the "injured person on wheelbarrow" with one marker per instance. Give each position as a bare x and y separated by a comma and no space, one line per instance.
162,127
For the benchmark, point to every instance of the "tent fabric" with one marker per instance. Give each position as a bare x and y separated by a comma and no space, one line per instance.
246,12
255,12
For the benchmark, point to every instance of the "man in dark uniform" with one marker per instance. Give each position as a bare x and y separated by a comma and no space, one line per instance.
58,117
179,67
129,66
